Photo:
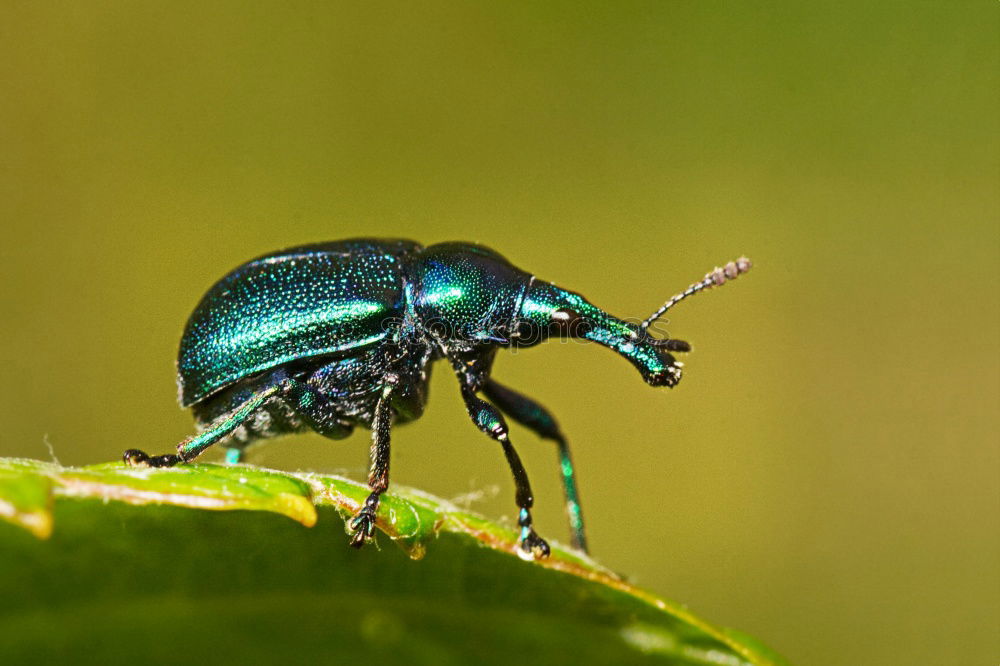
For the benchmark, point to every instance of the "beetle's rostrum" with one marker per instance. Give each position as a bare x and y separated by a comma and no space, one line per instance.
335,335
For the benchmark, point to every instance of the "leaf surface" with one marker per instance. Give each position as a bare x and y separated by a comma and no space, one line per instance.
201,562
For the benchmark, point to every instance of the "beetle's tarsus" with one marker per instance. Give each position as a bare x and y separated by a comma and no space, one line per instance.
532,547
167,460
363,525
138,458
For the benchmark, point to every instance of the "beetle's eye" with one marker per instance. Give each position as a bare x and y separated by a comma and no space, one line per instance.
568,324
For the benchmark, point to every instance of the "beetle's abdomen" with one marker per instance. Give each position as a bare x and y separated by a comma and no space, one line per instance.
301,303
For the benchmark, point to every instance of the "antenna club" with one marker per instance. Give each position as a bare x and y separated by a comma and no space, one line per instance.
730,271
714,278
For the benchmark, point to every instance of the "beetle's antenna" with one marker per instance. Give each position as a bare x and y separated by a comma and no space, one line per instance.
715,278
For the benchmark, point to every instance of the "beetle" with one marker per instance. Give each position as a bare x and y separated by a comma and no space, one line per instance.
334,335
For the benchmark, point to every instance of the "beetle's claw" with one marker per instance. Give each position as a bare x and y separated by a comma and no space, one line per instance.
363,526
532,547
135,458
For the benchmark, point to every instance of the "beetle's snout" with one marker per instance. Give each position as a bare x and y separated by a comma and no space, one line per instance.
558,310
657,366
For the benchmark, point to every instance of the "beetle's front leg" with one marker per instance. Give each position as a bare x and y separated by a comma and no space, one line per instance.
529,413
363,523
489,420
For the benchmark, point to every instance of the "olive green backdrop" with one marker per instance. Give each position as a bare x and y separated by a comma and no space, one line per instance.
826,475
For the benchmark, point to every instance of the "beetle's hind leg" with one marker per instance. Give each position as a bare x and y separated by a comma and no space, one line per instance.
193,446
532,415
309,404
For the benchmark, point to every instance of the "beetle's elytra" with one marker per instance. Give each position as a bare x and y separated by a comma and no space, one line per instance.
334,335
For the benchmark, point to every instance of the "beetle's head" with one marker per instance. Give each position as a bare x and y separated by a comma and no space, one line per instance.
551,311
469,293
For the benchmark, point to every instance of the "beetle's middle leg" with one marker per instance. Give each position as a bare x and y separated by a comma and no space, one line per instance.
530,414
363,522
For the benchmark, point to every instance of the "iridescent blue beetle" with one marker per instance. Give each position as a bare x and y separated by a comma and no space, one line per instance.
333,335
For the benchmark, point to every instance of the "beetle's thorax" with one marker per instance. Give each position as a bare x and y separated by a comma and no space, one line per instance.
465,294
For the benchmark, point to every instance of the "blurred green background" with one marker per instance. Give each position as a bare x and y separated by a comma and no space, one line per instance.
826,475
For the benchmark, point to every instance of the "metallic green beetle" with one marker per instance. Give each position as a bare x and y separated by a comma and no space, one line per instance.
333,335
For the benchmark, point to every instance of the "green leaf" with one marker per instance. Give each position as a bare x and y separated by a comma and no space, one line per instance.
108,563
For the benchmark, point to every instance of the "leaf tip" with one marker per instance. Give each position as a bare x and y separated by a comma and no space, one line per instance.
297,507
37,521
